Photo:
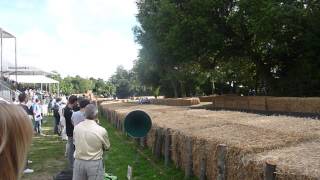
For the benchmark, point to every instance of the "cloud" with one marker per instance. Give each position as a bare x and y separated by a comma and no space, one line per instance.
85,37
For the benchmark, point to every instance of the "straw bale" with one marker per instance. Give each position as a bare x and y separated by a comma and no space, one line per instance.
304,105
206,98
218,102
309,105
245,134
241,140
293,104
301,161
176,102
257,103
279,104
230,102
236,102
306,127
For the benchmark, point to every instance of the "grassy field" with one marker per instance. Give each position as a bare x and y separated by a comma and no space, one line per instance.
47,154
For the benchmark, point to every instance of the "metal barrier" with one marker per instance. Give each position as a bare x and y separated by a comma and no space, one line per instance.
6,92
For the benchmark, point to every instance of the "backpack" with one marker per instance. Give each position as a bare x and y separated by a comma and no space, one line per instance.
56,110
64,175
31,109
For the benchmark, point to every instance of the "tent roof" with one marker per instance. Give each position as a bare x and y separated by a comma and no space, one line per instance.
24,70
6,34
33,79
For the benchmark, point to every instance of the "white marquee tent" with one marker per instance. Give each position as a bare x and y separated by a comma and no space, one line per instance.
33,79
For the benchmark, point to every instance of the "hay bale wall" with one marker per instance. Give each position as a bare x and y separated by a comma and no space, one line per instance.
176,101
293,104
206,98
268,104
246,135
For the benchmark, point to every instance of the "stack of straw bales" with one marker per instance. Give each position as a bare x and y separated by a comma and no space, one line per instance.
192,140
206,98
176,101
268,104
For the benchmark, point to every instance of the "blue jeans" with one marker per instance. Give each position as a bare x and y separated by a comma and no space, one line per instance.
70,152
37,126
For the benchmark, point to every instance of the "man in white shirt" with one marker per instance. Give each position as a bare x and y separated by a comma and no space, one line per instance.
79,116
90,141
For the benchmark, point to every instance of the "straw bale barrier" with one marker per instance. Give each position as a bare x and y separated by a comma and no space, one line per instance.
267,104
206,98
192,139
176,101
257,103
293,104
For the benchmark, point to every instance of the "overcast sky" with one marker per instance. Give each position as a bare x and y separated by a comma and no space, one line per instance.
89,38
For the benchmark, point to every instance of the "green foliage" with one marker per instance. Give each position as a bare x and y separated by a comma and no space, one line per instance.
78,85
127,84
190,47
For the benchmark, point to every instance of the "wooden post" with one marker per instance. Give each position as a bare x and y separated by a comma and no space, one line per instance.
109,116
270,171
203,168
118,123
167,147
112,117
155,142
122,124
137,140
203,162
143,142
158,143
189,165
221,161
115,120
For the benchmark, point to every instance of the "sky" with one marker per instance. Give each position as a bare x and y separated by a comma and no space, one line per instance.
89,38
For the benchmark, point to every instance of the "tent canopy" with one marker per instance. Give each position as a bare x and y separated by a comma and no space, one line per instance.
33,79
5,34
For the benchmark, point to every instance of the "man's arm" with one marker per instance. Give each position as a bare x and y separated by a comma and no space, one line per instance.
72,118
105,141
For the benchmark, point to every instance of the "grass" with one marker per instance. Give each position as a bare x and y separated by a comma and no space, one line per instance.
47,154
124,151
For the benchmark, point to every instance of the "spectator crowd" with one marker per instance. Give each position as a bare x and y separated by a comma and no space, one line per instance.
75,121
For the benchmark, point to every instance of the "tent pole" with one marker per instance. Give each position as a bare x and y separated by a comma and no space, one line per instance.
1,34
15,58
41,90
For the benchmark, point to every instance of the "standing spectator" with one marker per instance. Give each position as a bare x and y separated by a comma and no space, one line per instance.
63,125
15,140
56,115
68,111
79,116
63,121
90,141
22,103
37,116
50,106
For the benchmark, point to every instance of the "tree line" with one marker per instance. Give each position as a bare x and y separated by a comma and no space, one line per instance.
192,47
122,84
